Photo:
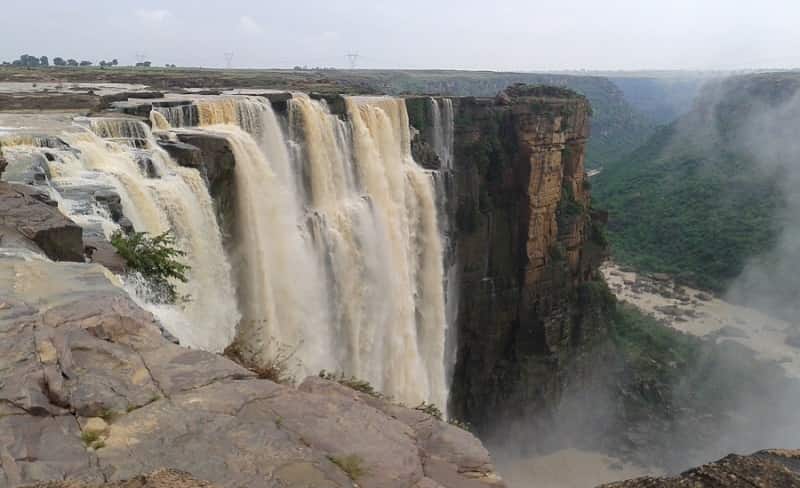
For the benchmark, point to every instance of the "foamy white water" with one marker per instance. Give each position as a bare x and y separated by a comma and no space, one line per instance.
176,200
341,241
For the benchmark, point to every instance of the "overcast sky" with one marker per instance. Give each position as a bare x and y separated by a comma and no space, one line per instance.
469,34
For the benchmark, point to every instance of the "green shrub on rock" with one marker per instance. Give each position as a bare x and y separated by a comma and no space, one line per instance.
157,259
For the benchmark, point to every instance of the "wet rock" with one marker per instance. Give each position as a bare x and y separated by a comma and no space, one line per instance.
112,201
424,154
100,251
107,101
764,469
146,165
217,164
29,215
126,225
30,168
184,154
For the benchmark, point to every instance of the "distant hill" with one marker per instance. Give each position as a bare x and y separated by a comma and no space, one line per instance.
707,193
661,99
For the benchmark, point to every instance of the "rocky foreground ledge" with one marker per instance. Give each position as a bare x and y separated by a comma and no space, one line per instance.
92,393
764,469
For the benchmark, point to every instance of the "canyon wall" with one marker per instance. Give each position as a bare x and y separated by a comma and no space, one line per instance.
527,250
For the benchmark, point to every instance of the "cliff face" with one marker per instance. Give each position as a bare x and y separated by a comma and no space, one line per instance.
527,251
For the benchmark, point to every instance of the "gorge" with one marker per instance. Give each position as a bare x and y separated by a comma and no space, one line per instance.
408,260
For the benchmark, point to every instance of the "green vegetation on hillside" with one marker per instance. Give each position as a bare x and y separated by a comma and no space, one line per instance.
695,200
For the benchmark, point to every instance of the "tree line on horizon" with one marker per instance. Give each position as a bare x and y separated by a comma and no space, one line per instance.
29,61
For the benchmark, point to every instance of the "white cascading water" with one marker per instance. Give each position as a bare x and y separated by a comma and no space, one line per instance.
442,136
443,130
339,251
177,200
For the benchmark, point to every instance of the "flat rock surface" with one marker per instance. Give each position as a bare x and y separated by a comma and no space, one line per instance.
28,218
90,392
764,469
165,478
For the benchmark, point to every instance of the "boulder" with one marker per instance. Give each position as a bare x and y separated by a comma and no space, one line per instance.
26,214
764,469
112,201
184,154
91,392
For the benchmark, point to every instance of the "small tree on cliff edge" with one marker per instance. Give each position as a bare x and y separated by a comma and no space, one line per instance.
157,259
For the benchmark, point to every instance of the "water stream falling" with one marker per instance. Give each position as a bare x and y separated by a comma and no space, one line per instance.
339,249
442,130
337,246
442,136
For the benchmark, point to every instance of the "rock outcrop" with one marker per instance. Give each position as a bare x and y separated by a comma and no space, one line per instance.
90,391
165,478
215,161
764,469
30,219
528,250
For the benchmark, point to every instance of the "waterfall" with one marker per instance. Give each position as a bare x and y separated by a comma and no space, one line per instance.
158,121
117,154
336,249
442,130
442,136
339,254
182,115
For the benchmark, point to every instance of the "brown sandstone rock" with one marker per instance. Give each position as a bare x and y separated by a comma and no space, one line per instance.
525,250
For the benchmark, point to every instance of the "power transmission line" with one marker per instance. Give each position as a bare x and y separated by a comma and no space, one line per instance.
353,59
228,60
140,57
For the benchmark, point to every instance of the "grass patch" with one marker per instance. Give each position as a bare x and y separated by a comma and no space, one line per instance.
93,439
430,409
351,464
108,415
351,382
277,368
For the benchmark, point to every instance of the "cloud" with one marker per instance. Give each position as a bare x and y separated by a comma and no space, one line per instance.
155,16
249,26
